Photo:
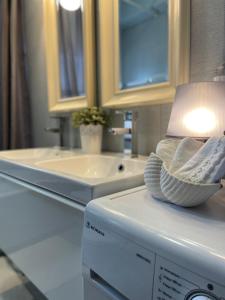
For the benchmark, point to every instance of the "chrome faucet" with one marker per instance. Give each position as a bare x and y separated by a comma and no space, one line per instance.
129,132
58,130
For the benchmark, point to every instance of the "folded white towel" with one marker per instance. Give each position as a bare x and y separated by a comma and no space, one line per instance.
166,149
207,165
185,150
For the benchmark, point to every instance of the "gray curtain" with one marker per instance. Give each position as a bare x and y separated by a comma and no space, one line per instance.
15,123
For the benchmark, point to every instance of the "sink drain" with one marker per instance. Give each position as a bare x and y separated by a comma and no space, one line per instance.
121,168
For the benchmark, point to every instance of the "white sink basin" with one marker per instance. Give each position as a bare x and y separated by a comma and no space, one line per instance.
78,177
95,166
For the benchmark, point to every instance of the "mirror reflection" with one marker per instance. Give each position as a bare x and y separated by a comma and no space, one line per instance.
71,48
143,29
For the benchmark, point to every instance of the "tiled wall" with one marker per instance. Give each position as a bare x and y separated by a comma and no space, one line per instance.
152,125
207,38
207,53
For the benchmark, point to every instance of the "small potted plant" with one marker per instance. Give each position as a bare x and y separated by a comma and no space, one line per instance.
91,122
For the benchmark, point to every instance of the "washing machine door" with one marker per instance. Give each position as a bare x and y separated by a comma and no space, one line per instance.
201,295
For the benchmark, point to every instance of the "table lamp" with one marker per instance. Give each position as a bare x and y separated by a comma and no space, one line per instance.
198,110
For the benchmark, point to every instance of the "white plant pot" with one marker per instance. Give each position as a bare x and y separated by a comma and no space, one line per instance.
91,138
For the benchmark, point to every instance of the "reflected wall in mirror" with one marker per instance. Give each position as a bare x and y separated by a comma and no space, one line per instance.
143,29
71,50
70,58
145,45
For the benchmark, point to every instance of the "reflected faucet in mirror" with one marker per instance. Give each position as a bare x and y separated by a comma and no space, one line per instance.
129,132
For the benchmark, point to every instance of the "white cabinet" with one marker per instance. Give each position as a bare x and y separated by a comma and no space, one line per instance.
42,236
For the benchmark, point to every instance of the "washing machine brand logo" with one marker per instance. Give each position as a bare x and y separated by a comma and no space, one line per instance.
95,229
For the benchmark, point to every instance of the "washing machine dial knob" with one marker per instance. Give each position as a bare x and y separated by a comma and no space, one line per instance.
201,295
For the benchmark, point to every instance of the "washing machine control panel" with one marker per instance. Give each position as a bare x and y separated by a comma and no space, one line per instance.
175,282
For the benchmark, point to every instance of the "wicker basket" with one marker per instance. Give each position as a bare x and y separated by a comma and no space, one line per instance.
152,176
167,187
184,193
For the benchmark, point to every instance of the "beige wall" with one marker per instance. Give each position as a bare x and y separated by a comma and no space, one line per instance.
207,53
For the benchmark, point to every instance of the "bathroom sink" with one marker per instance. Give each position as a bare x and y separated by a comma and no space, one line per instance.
76,176
95,166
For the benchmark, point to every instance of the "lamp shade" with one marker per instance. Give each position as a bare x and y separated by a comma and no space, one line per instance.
198,110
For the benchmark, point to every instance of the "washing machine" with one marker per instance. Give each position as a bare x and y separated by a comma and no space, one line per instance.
139,248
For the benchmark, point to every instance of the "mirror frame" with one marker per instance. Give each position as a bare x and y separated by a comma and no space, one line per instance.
178,57
55,102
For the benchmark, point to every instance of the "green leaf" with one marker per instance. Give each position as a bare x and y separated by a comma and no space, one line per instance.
93,115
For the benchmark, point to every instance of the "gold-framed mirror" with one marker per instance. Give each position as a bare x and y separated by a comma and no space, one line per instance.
70,54
144,50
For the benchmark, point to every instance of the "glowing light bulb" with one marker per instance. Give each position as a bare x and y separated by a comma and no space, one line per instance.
70,5
200,120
